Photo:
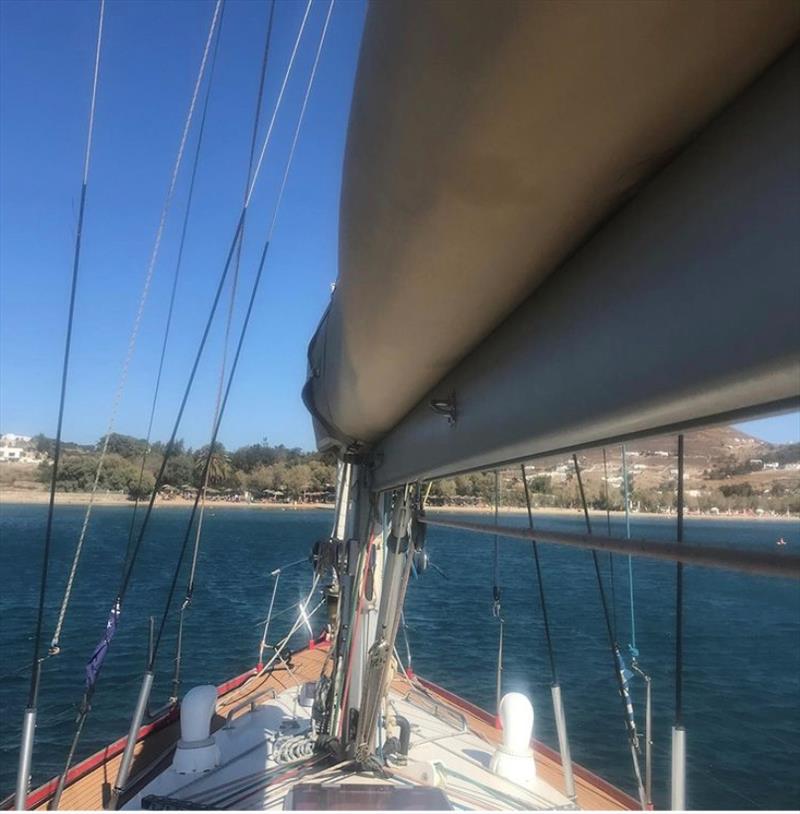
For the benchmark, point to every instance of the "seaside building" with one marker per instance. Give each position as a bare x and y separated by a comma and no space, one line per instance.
18,449
10,438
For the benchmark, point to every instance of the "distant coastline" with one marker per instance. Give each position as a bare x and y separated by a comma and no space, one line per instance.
10,497
38,497
727,474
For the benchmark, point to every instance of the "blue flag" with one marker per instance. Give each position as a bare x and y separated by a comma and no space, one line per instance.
99,655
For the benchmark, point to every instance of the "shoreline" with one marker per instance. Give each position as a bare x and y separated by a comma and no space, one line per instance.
600,513
31,497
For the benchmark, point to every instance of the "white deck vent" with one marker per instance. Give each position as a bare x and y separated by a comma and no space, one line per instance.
197,750
514,759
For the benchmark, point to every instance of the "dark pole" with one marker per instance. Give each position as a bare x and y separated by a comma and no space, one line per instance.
678,786
555,687
679,598
715,555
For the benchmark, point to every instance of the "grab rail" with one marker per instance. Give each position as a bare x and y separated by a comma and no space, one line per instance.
248,702
436,708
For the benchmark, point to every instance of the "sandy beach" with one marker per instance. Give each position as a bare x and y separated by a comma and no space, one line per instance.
40,496
35,496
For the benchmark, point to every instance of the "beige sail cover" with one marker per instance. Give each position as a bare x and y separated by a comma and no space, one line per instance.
487,141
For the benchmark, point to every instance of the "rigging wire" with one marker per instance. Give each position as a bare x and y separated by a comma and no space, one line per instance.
36,668
610,554
555,687
543,603
95,664
36,663
632,647
68,342
619,666
634,651
204,338
679,598
234,285
497,611
245,325
175,279
496,594
54,645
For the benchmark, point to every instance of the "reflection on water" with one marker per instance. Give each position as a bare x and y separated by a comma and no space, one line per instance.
742,660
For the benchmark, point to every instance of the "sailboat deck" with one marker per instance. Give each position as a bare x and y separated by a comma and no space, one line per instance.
90,782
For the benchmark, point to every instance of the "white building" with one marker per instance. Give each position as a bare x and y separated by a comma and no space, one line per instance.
12,439
17,449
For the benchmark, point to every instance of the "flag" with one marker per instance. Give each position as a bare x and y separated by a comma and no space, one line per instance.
95,663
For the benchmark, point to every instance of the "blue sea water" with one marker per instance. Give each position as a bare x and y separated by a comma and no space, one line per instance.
742,637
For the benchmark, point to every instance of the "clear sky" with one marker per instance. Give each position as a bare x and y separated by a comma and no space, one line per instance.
150,59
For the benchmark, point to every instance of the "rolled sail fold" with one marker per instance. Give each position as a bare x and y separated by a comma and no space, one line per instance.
571,222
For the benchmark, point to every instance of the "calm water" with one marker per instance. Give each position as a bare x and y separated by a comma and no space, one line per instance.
742,638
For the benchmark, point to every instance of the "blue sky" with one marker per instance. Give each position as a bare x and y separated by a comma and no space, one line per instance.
150,58
149,62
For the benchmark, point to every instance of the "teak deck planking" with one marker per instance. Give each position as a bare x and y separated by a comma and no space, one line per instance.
90,781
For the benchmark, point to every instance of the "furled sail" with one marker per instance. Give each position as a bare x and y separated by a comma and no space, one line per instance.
571,222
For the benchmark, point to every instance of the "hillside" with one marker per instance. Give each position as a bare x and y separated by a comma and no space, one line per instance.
727,471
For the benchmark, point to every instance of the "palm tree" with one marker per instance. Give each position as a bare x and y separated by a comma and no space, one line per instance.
219,466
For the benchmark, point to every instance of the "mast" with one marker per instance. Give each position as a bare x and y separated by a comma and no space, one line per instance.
373,569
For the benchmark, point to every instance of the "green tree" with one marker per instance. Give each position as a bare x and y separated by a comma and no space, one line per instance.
253,456
540,484
218,466
125,445
41,443
297,480
179,470
143,490
260,479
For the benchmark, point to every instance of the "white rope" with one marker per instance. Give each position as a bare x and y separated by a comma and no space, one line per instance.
220,389
94,92
277,106
303,616
279,198
294,748
299,122
234,285
54,645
